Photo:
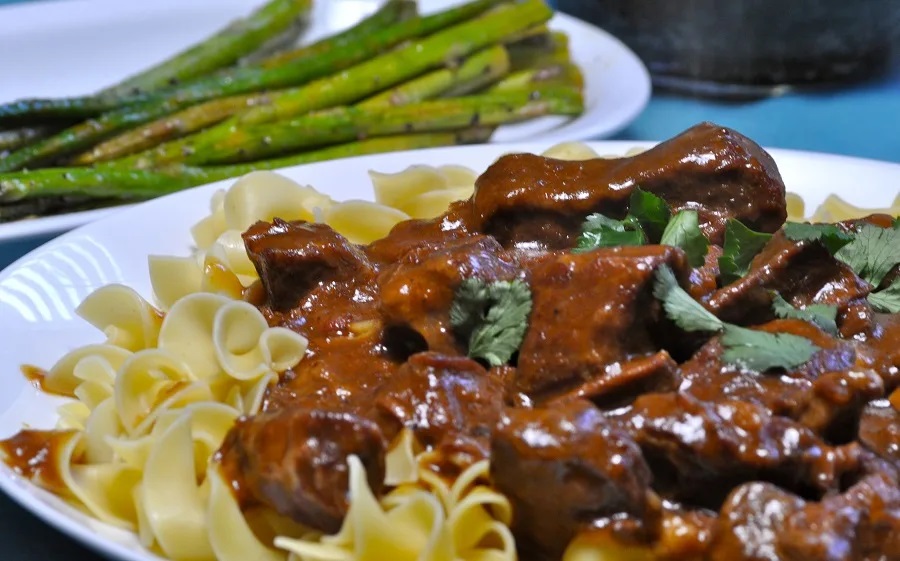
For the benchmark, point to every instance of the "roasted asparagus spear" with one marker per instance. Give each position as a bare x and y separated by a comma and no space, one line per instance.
39,187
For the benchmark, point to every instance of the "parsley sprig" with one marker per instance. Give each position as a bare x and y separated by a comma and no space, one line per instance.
493,317
745,348
872,252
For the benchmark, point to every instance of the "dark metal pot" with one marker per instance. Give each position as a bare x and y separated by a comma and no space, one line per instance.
750,47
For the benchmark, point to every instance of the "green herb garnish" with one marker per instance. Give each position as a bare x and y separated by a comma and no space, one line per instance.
887,300
600,231
493,317
823,315
872,252
741,245
832,237
683,231
745,348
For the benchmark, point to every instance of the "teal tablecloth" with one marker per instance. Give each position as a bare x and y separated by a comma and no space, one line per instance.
862,120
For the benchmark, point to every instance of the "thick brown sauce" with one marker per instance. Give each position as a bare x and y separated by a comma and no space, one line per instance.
37,377
34,455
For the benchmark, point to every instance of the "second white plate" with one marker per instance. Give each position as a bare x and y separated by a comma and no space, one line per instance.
75,47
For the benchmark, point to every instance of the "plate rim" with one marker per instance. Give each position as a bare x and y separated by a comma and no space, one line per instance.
27,495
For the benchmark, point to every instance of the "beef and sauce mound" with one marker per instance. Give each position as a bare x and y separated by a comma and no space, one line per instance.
729,395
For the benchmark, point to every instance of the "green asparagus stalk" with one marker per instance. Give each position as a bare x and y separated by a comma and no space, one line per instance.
83,135
17,138
406,62
46,206
343,124
554,74
320,61
476,71
391,12
539,50
19,188
321,94
217,51
364,79
225,47
169,127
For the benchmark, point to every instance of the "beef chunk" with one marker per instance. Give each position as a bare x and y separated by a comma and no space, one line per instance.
802,272
825,394
419,291
750,521
590,312
760,522
700,450
565,466
450,403
295,461
879,429
531,201
623,382
411,234
292,258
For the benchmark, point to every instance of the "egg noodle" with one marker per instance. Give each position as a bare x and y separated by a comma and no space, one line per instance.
153,403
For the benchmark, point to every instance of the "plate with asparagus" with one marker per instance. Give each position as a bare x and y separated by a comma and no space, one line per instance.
117,102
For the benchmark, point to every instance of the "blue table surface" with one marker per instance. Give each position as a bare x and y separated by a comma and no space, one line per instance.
861,120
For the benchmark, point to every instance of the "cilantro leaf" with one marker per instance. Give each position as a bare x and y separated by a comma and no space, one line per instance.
887,300
601,231
684,231
746,348
741,245
681,308
820,314
872,253
832,237
493,316
761,351
650,211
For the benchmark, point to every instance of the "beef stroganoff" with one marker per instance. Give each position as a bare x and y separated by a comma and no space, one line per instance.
188,424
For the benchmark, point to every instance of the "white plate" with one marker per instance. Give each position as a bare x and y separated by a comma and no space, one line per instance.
39,292
75,47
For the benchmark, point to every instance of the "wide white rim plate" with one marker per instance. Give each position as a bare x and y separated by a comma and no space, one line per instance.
38,293
74,47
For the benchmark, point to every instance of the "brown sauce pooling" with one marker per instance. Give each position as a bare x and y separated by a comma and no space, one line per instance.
34,455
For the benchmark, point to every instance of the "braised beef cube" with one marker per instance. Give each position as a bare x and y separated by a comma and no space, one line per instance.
621,385
418,292
825,394
530,201
879,429
704,280
803,273
699,450
295,461
749,523
292,258
412,234
563,467
451,403
591,311
863,523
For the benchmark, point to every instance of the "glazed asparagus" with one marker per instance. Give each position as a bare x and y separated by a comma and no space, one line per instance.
476,71
37,187
342,124
317,62
367,78
217,51
323,93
